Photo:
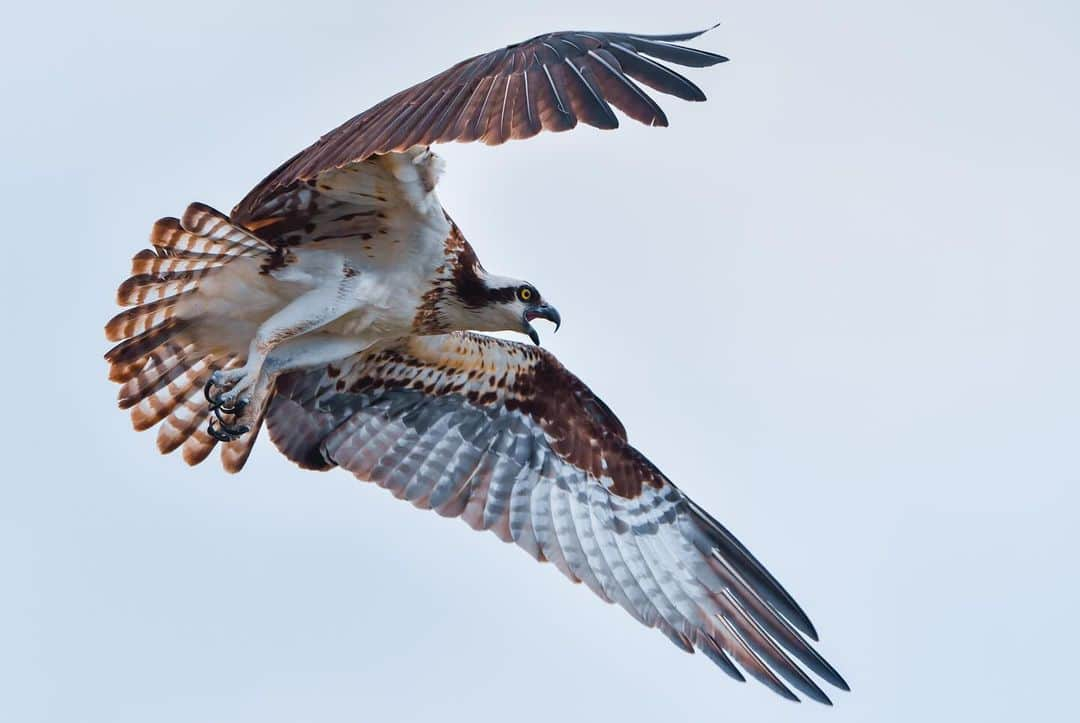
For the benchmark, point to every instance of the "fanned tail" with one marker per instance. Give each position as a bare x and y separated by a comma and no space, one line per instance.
166,349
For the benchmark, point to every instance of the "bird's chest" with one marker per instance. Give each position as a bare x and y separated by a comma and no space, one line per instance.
382,284
385,301
384,307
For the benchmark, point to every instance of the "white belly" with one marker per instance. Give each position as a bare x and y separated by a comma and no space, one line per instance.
384,293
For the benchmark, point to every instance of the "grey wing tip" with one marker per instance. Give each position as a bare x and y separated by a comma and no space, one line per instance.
791,609
680,37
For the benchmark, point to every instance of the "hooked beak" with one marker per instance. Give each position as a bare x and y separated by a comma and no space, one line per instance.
543,311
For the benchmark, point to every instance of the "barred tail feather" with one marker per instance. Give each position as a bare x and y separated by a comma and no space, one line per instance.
212,225
145,288
122,373
182,423
165,401
139,319
137,349
163,359
235,455
162,367
198,446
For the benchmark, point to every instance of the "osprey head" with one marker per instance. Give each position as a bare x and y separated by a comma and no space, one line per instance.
512,304
499,303
480,301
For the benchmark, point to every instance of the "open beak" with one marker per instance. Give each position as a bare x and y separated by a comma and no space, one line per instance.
543,311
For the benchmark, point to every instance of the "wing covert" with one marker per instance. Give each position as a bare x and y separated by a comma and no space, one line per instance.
377,202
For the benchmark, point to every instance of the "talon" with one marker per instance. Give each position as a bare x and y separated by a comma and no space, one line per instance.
206,392
230,402
235,409
218,401
227,405
238,431
219,412
216,433
226,433
222,411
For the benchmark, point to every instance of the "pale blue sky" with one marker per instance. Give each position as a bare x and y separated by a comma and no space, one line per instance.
836,304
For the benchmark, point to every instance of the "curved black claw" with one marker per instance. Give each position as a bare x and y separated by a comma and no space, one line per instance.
221,413
210,397
217,405
226,433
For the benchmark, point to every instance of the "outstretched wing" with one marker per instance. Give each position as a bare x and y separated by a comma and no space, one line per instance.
504,436
550,82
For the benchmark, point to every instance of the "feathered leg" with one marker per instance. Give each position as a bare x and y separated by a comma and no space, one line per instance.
308,350
303,315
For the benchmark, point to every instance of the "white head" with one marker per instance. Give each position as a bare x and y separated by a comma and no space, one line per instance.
469,298
481,301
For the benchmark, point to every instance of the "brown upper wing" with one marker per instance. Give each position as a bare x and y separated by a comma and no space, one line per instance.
550,82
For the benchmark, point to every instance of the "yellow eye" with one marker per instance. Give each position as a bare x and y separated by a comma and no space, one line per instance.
525,293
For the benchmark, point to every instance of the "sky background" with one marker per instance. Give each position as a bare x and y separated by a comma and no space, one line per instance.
837,304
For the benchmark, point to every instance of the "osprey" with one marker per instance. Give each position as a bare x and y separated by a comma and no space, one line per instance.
337,304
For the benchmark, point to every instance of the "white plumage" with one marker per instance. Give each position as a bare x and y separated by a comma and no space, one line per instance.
331,304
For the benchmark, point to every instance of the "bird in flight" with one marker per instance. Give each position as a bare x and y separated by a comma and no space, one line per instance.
337,306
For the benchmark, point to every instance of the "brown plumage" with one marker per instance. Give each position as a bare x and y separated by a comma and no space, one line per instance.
550,82
498,433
